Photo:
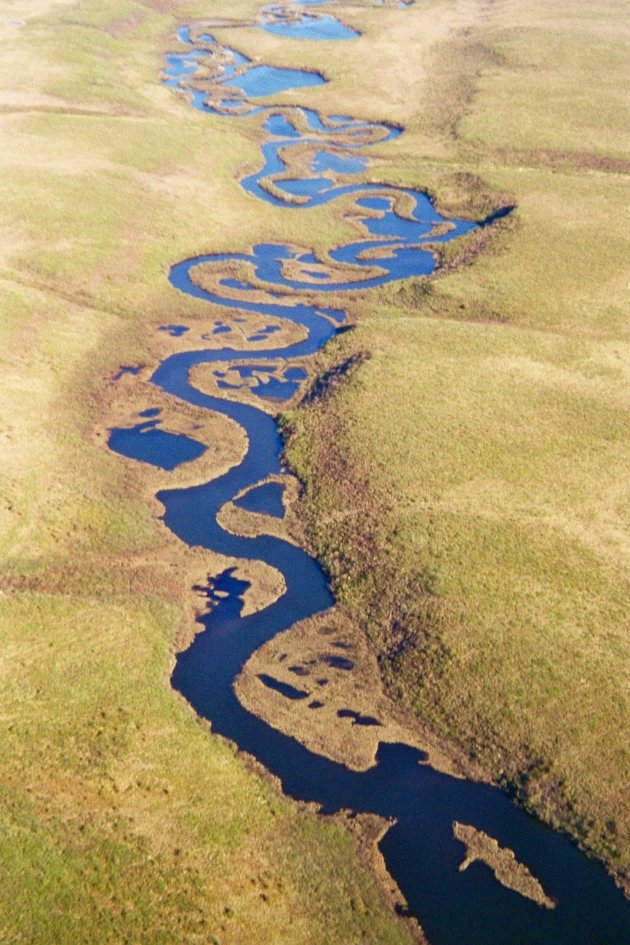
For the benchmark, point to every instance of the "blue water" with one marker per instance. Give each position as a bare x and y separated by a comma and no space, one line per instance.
267,80
357,718
148,444
265,499
289,692
176,331
264,333
420,851
327,161
279,126
324,27
271,383
126,369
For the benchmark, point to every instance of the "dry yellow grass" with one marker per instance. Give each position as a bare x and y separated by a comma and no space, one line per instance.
502,862
480,456
122,818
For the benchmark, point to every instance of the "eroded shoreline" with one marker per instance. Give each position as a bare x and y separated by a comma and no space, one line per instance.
282,268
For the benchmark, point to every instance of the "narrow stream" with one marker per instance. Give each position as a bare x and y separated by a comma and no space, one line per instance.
309,159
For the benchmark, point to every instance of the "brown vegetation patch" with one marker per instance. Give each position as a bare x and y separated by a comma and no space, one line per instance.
541,157
239,521
329,380
345,713
503,863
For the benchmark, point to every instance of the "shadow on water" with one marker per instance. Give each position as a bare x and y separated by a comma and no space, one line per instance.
420,851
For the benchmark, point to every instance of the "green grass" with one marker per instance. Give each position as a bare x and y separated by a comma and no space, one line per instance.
479,459
481,454
540,91
122,818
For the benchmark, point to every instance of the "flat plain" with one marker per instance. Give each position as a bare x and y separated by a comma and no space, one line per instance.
479,455
484,445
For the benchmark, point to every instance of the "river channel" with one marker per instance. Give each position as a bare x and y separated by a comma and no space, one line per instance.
309,159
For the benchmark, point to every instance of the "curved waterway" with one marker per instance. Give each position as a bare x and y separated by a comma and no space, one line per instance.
309,159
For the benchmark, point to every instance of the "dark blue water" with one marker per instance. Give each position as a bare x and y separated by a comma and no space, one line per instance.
176,331
126,369
289,692
270,383
265,499
421,853
148,444
357,718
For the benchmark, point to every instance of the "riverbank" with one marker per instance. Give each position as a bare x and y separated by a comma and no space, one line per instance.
480,453
122,817
80,523
421,801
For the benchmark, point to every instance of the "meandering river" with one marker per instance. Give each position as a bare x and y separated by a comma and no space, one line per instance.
308,159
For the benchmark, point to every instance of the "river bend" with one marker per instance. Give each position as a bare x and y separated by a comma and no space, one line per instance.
309,159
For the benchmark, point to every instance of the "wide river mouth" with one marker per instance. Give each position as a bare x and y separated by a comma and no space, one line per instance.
308,159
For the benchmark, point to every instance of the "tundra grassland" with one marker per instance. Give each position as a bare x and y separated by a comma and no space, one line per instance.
468,487
122,818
